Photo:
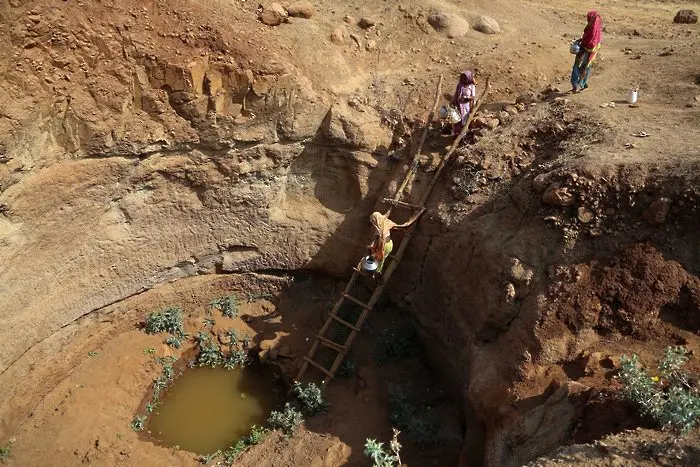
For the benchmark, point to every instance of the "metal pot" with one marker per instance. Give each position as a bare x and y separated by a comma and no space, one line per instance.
369,264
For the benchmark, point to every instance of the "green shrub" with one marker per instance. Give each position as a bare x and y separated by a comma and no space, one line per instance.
168,320
138,423
286,420
210,355
347,369
5,452
256,436
311,398
423,426
228,306
202,338
208,458
231,454
235,358
173,342
668,399
383,458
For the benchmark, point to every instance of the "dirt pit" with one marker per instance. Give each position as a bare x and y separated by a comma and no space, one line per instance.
89,414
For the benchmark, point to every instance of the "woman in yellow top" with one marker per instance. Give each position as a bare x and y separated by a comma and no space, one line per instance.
382,245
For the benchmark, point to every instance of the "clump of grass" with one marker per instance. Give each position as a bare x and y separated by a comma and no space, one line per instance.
168,320
138,423
399,343
287,420
311,398
208,458
228,306
669,399
381,457
257,435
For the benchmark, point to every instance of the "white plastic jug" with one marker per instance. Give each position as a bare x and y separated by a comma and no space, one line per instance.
632,96
453,115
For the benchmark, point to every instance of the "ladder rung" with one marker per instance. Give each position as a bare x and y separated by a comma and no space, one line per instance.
353,299
345,323
332,344
401,204
362,272
320,367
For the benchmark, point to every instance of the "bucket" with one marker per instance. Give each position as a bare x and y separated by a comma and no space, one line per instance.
632,96
453,115
369,264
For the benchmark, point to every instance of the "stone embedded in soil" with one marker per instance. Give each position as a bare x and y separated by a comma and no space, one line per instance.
273,14
366,23
487,25
584,214
449,24
558,195
301,10
657,211
338,36
686,17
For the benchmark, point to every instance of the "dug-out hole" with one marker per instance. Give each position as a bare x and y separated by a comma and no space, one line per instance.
205,410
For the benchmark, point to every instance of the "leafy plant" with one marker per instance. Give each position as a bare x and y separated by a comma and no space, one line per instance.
168,320
399,343
231,454
138,423
228,306
209,322
210,355
202,338
173,342
149,351
347,369
232,335
235,358
381,457
253,297
208,458
423,426
668,399
286,420
257,435
5,452
311,398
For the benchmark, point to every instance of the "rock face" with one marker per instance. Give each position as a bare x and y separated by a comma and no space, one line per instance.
273,14
449,24
301,10
487,25
686,17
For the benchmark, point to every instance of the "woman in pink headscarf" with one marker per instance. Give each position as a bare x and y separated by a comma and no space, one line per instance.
589,45
464,99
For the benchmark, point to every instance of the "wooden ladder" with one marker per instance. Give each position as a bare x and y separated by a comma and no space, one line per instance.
321,339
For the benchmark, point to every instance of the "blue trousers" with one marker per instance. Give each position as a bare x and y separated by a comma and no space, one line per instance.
582,69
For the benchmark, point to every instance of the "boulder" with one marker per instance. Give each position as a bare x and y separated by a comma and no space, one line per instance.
657,211
558,195
273,14
301,10
449,24
685,17
487,25
585,215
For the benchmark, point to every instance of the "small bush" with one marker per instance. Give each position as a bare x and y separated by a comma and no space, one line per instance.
234,359
288,420
168,320
173,342
228,306
202,338
257,435
382,458
311,398
423,427
5,452
210,355
668,399
208,458
138,423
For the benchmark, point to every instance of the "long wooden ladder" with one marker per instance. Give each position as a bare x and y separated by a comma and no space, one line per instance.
321,339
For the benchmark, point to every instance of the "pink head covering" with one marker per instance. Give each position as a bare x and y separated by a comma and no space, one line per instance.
593,34
469,77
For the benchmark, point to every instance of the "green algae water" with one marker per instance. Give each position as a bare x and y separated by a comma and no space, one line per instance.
207,409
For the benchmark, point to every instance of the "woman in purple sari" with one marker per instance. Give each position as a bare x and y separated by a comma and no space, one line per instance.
464,99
